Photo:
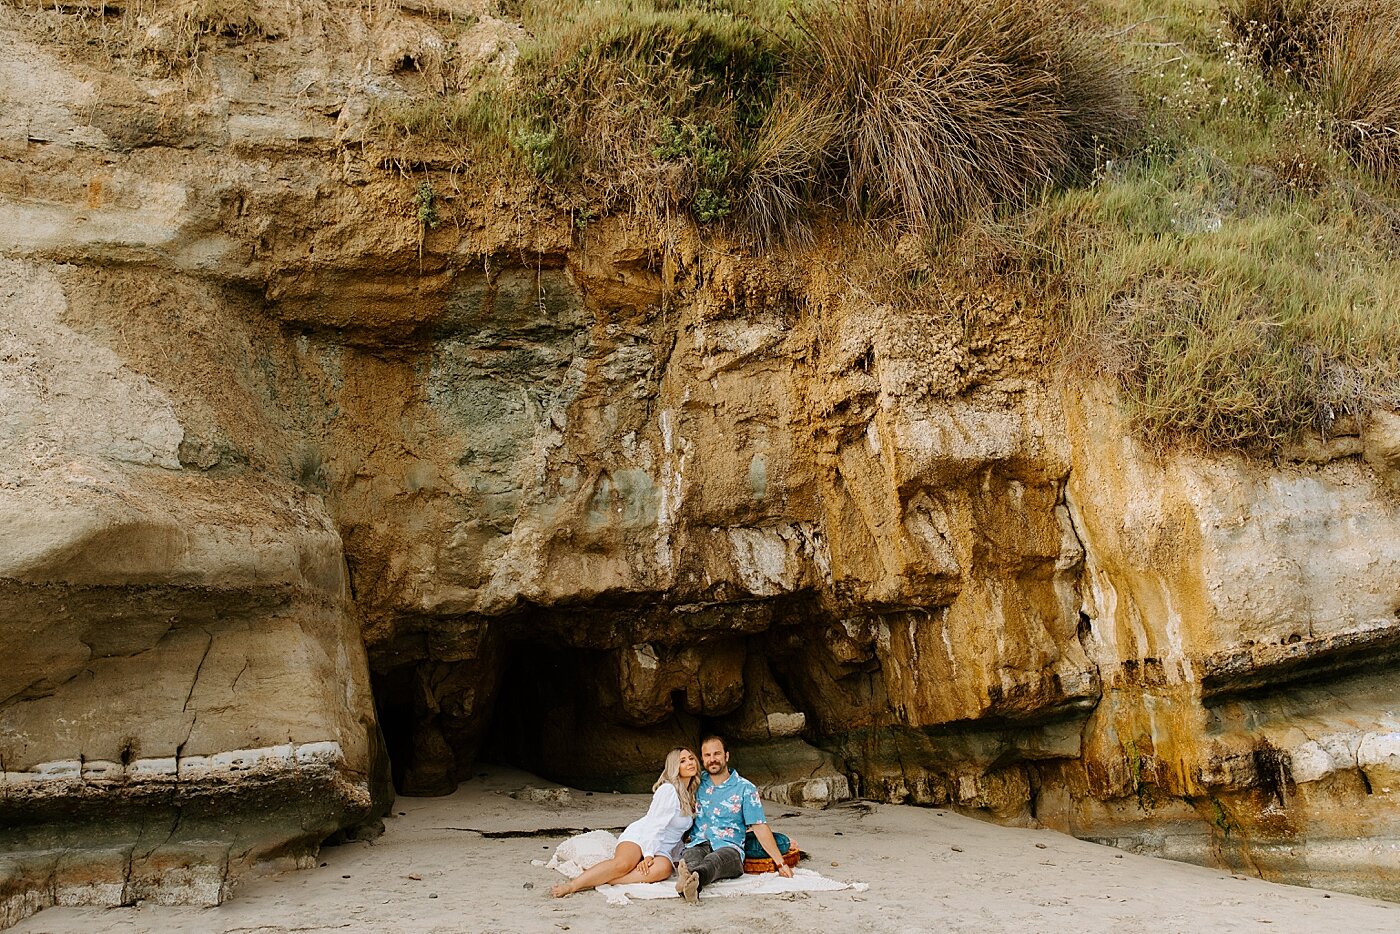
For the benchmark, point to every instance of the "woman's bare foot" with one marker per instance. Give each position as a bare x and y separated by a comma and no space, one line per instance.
561,890
684,871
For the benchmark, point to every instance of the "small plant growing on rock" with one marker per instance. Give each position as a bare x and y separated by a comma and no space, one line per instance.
425,200
703,157
709,205
539,149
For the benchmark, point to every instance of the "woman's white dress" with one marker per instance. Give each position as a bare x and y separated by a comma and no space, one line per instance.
659,831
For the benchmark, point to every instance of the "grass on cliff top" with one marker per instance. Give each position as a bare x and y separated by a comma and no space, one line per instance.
1207,196
767,113
1235,272
643,103
1227,311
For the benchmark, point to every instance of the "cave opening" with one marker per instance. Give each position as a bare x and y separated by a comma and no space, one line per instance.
558,715
590,709
555,712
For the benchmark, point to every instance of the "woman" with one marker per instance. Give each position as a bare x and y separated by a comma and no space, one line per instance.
648,847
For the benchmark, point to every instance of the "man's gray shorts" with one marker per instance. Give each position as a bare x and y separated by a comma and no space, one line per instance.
712,865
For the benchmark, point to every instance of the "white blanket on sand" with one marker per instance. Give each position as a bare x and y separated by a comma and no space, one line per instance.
576,854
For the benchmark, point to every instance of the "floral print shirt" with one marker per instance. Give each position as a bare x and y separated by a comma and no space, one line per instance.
725,812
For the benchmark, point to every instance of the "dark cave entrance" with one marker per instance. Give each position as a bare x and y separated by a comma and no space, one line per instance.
558,716
555,712
594,698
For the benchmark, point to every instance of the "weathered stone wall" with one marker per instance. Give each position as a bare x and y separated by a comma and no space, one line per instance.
1244,618
282,466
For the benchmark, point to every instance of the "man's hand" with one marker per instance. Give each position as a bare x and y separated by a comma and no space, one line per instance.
770,846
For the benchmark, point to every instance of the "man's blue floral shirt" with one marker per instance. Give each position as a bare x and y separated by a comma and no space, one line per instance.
725,812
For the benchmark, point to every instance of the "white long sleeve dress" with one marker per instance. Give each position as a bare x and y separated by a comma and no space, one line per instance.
659,831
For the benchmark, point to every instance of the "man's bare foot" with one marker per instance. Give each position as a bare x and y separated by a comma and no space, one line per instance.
561,890
684,874
691,891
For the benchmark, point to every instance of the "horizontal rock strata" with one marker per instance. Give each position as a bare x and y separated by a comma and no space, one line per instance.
297,492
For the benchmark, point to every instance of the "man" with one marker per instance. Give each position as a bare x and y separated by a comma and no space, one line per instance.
726,806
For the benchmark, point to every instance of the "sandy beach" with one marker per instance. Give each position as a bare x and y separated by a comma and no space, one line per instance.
463,864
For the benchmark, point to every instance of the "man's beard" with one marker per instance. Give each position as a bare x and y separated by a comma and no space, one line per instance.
715,768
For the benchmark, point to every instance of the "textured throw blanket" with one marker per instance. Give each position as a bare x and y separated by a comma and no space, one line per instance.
576,854
768,883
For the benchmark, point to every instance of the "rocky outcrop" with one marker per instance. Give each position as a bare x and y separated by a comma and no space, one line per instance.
1244,618
284,466
181,647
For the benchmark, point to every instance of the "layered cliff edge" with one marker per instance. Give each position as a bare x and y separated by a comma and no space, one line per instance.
299,491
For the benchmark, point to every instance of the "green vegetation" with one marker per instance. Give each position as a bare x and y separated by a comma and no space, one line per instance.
647,104
1220,816
1231,308
769,113
1203,198
1235,271
425,200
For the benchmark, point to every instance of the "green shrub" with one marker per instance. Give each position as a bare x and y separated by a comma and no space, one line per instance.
653,102
425,200
710,205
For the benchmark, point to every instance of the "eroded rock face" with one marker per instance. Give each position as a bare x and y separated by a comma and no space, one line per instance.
1243,618
282,467
180,648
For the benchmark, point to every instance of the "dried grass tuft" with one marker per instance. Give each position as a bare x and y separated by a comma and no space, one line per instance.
1358,79
1346,53
929,112
155,37
1282,36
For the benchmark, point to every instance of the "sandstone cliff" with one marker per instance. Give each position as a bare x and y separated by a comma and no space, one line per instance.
297,488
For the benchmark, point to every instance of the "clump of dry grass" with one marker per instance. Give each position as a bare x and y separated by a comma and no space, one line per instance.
1346,53
797,140
929,111
1358,82
1282,36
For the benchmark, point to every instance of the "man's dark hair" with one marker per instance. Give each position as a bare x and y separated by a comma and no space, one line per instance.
717,738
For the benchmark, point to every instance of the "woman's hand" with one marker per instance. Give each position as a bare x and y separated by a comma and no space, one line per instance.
646,863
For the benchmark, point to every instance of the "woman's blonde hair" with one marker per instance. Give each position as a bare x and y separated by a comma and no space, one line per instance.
685,787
